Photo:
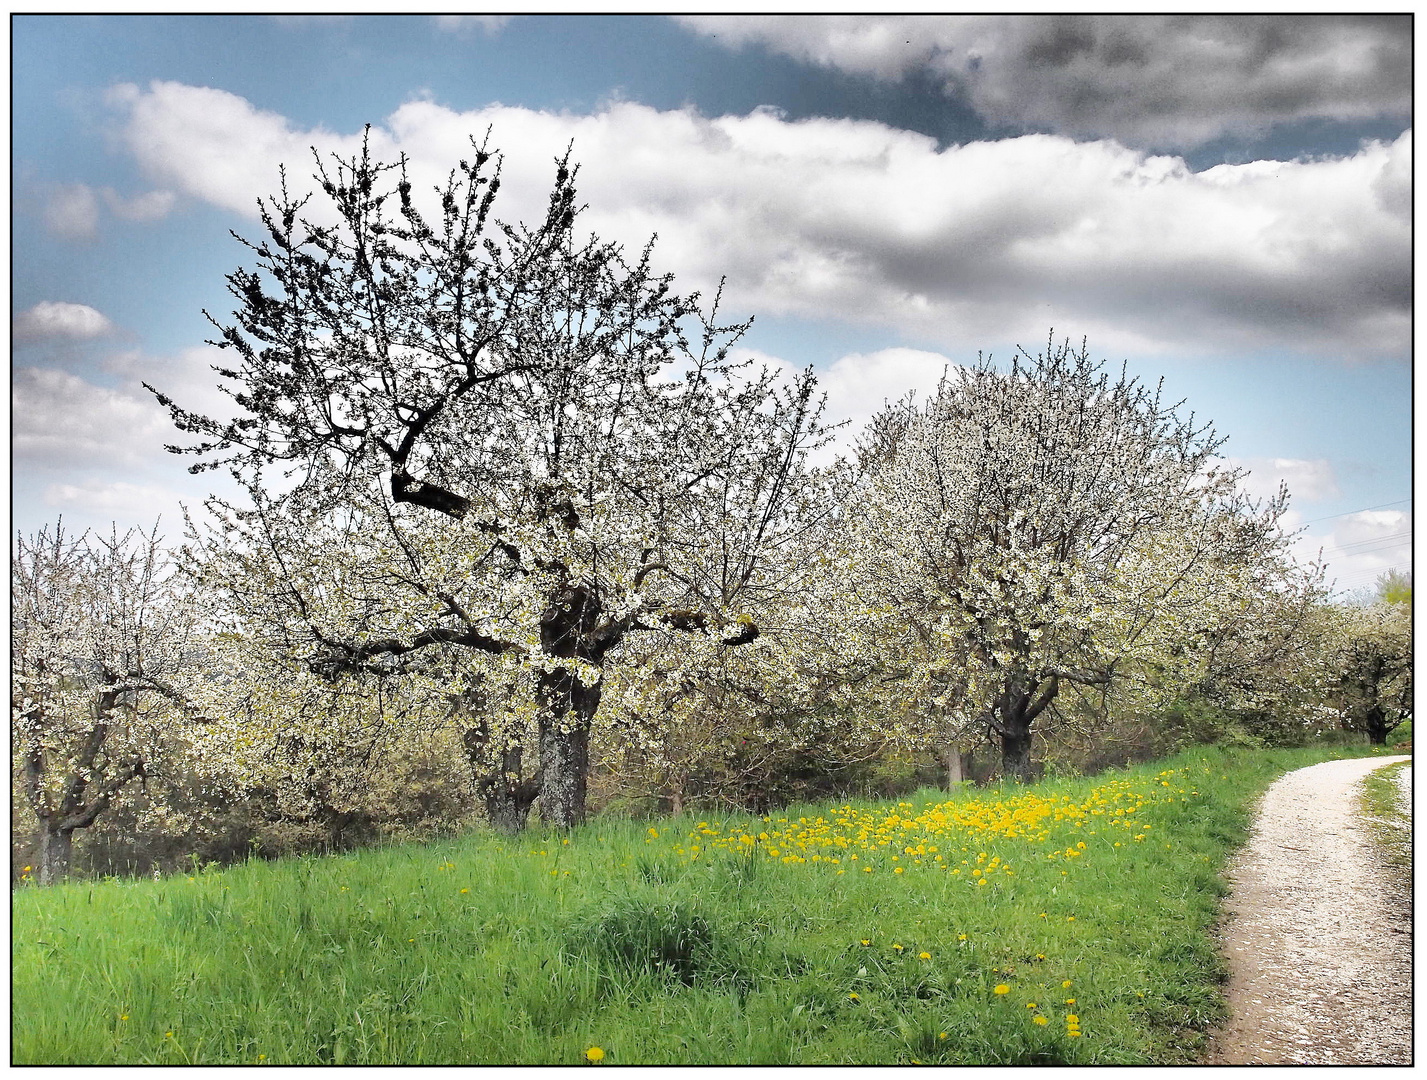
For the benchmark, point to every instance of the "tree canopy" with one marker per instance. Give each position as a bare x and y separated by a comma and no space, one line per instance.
468,442
1043,526
102,634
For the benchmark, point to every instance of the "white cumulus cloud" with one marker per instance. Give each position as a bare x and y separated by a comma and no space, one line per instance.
215,145
148,206
1307,480
61,420
861,385
57,319
71,212
965,246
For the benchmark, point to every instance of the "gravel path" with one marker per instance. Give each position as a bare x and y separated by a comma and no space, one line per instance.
1319,945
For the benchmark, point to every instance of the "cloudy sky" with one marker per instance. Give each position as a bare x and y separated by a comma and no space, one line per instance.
1221,202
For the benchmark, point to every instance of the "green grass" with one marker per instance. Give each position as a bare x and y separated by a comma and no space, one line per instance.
482,950
1389,822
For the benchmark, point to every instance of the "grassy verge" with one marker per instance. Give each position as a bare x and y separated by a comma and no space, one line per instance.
1389,822
1062,922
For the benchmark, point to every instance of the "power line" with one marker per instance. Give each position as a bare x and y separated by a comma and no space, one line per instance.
1364,510
1366,573
1401,539
1356,579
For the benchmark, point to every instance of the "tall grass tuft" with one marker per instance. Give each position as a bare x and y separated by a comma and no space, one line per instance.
648,933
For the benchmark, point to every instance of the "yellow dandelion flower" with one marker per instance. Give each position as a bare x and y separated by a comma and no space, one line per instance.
867,941
594,1055
1002,988
924,956
853,997
1066,984
1040,1020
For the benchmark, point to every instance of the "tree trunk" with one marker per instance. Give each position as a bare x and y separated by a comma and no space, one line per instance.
1015,710
566,710
1016,752
505,810
955,770
506,793
1377,726
56,846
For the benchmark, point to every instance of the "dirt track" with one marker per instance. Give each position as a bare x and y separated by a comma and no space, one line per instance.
1318,939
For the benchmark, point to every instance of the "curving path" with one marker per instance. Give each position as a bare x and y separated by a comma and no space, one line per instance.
1319,945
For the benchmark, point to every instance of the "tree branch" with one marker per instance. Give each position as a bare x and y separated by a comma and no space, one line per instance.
341,658
698,621
406,488
1047,695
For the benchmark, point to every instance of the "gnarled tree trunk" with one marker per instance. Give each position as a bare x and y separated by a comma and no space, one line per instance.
567,708
506,792
1011,718
88,789
1376,723
1016,751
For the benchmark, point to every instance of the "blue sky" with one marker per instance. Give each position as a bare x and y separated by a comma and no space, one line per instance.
1223,202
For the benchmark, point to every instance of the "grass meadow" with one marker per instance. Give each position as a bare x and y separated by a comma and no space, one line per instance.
1068,921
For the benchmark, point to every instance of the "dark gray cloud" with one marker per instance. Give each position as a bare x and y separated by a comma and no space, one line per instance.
1167,82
